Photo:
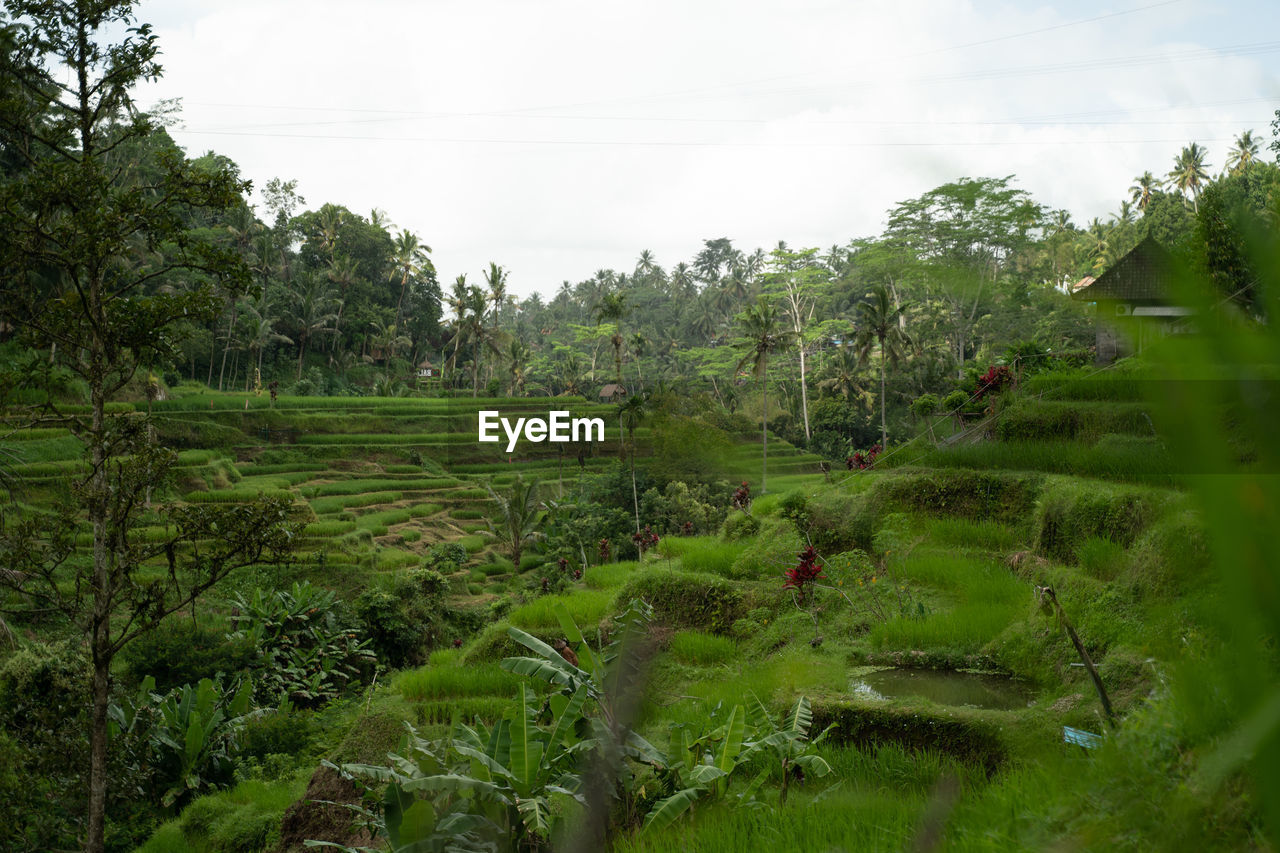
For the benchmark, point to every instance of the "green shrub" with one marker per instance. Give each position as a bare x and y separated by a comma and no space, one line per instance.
177,652
686,600
739,525
1036,419
956,732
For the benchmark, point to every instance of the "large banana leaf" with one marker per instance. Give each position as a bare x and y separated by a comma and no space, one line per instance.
526,747
456,783
667,811
800,717
734,729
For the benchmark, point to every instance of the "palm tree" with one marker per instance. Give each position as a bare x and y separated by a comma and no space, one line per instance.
1189,173
519,514
386,339
342,272
630,414
470,329
259,328
410,258
762,334
612,308
639,346
313,310
518,357
1143,187
880,323
843,378
1243,154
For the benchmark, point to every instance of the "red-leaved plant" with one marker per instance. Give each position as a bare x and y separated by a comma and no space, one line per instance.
804,573
742,497
605,550
995,380
644,540
861,460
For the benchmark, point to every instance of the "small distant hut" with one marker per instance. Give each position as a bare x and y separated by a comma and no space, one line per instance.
427,370
1135,302
612,393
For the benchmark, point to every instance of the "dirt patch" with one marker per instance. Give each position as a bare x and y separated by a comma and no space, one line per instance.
319,817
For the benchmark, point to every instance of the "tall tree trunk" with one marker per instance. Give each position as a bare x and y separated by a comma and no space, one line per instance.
302,353
230,324
764,433
100,642
884,429
635,498
804,394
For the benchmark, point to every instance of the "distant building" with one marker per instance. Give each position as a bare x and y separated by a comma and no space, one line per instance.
1135,302
612,393
427,370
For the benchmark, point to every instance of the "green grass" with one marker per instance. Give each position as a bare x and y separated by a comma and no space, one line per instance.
585,606
698,648
702,553
328,528
323,506
236,495
1119,458
609,575
372,484
967,533
450,680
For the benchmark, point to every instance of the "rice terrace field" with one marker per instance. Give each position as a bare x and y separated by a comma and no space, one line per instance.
929,510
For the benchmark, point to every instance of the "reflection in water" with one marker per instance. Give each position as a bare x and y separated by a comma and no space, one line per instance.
946,687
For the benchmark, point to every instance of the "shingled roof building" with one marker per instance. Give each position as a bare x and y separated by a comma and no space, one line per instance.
1136,286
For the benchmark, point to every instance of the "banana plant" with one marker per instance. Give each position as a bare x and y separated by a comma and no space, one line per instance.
702,765
188,735
789,741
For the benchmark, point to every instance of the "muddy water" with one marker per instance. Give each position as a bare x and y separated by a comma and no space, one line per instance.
945,687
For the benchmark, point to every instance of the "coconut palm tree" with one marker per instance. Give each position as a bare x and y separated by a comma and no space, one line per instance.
1143,187
1243,154
518,517
410,257
844,374
518,358
762,334
880,324
1189,173
313,305
387,339
612,308
259,328
631,412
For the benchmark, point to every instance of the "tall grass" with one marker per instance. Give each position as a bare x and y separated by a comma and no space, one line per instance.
236,495
702,553
586,606
698,648
451,680
1131,459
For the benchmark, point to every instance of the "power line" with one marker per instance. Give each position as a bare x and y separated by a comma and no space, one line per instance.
771,79
686,144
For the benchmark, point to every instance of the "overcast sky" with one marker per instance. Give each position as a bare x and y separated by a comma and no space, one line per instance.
557,137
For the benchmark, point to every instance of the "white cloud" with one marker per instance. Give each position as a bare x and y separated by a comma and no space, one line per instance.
559,137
